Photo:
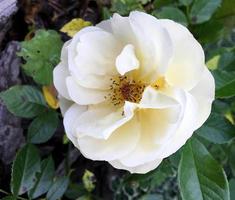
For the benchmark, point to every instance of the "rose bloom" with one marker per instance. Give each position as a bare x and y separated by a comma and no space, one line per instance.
133,90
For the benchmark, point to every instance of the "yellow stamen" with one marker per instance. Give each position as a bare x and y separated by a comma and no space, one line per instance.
124,89
159,83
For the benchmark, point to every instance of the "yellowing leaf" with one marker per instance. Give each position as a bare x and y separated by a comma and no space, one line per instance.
49,94
229,116
75,25
212,64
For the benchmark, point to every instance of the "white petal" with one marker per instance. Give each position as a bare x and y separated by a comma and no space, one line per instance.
72,47
185,129
157,126
60,73
64,52
70,118
140,169
92,57
101,121
96,53
84,96
154,43
121,142
204,93
187,64
126,60
155,99
122,29
105,25
64,104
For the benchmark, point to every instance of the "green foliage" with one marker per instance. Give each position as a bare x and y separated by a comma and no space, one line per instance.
210,31
123,7
75,191
58,188
200,176
43,127
225,83
232,188
151,197
9,198
23,101
41,54
44,179
186,2
202,10
217,129
231,156
137,185
24,169
171,13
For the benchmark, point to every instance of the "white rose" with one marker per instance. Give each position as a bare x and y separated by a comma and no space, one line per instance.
133,90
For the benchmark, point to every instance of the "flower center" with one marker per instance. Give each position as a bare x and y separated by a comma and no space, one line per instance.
160,83
124,89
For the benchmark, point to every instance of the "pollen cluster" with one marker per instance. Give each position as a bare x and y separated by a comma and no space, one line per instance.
123,89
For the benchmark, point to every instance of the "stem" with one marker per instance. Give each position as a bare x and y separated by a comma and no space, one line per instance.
4,192
7,193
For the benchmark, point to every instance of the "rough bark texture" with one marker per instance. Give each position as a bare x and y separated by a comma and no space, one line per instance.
11,133
7,9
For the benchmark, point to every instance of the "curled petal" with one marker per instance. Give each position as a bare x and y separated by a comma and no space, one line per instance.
70,122
84,96
101,121
187,63
60,73
204,93
126,60
140,169
154,44
122,141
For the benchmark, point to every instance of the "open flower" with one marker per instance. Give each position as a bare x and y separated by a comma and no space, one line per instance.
133,90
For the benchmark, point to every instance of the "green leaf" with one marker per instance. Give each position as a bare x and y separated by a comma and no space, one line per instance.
43,127
186,2
41,54
227,60
153,178
225,56
124,7
171,13
231,155
209,32
202,10
25,166
161,3
23,101
106,14
9,198
225,83
75,190
217,129
227,9
151,197
200,176
58,188
44,179
232,188
144,1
